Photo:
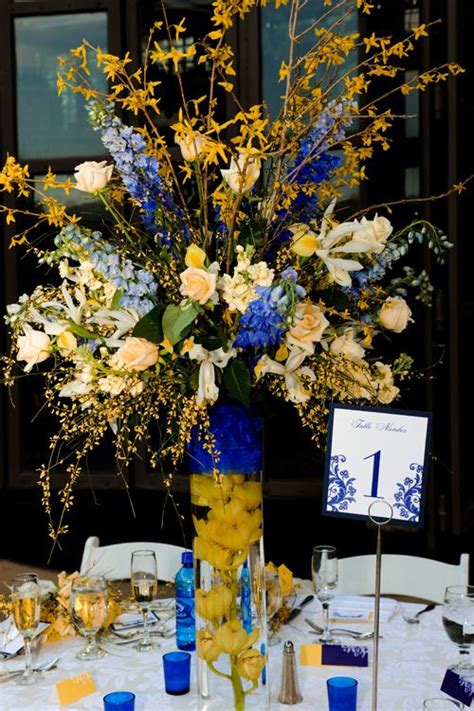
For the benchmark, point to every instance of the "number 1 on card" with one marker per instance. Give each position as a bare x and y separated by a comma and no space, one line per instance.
375,475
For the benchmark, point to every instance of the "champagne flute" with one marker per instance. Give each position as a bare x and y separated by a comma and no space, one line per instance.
26,601
274,600
458,621
88,609
324,573
144,579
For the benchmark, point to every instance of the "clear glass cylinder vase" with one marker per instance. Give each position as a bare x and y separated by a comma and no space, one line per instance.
226,496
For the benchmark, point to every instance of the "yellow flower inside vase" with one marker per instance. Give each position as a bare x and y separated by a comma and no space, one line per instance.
231,641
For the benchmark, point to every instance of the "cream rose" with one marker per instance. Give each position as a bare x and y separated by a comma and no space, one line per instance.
374,233
198,284
347,345
92,176
137,354
308,327
395,314
33,347
67,342
243,173
191,146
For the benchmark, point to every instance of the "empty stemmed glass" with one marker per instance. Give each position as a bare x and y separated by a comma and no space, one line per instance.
274,600
324,573
144,579
458,621
89,610
26,600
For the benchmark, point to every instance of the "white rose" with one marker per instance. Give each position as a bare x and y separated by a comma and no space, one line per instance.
191,146
308,327
347,345
33,347
395,314
137,354
374,233
198,284
92,176
243,173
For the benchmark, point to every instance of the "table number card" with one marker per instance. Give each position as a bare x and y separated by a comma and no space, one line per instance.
376,454
458,687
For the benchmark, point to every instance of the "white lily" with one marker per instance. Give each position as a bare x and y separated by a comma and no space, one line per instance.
292,371
208,389
123,320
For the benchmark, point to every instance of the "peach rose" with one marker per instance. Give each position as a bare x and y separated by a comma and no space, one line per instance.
137,354
308,327
198,284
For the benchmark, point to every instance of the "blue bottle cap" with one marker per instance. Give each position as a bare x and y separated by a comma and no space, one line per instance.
187,558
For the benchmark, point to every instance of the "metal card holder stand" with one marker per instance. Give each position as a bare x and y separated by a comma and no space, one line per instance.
379,522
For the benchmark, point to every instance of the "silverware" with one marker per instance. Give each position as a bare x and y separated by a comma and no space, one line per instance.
296,610
341,631
415,620
43,667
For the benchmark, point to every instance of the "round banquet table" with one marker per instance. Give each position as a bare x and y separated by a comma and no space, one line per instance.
413,660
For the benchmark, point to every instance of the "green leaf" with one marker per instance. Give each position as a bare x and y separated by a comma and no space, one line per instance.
81,331
176,320
237,380
149,326
116,299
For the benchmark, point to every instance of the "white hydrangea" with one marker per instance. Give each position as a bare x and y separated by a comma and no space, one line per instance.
239,290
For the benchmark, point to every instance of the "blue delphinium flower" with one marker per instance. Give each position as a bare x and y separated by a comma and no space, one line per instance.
266,319
139,171
138,286
315,162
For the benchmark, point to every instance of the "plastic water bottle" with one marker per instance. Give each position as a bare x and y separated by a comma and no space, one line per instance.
245,598
185,621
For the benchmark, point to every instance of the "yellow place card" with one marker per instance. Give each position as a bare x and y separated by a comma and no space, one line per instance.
310,655
75,688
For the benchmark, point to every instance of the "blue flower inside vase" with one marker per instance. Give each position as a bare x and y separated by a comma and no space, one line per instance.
238,433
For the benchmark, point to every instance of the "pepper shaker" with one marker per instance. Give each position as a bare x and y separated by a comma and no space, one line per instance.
289,690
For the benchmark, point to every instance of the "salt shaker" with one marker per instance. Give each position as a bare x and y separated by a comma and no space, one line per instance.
289,690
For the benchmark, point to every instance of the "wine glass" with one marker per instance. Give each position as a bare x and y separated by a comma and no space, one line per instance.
88,608
458,621
274,600
144,579
324,573
26,601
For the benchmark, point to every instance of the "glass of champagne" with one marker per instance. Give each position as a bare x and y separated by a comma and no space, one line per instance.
274,600
88,608
26,601
324,573
144,579
458,621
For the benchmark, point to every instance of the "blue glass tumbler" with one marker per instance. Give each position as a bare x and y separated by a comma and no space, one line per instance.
342,693
177,670
119,701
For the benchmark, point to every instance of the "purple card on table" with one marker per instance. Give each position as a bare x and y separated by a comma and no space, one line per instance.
344,655
458,687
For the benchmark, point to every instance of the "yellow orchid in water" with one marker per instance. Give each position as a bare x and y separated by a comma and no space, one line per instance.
250,664
217,556
250,493
215,603
231,637
206,646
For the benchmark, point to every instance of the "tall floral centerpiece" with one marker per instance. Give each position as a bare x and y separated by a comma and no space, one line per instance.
227,265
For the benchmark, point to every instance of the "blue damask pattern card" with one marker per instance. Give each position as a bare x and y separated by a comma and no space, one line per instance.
458,687
377,454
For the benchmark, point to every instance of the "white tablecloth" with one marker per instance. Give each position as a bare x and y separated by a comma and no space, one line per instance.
413,660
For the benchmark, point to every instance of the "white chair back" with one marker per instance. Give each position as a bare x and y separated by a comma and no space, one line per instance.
402,575
113,562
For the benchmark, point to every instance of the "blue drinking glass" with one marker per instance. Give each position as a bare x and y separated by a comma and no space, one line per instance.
177,670
119,701
342,693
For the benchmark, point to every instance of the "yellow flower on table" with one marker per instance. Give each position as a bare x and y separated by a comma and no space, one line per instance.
231,637
215,603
